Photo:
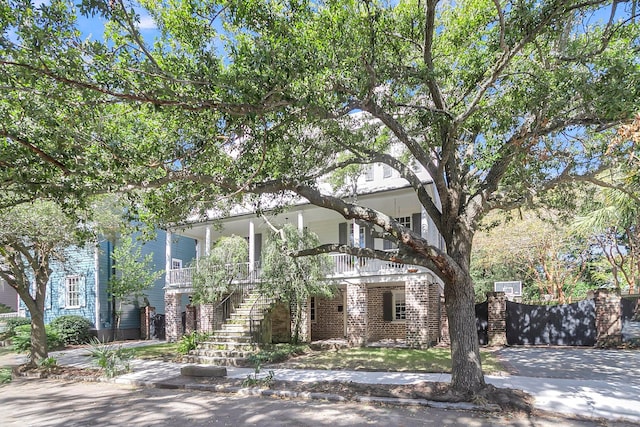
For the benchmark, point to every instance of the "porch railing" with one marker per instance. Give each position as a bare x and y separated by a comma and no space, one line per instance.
9,315
349,265
343,266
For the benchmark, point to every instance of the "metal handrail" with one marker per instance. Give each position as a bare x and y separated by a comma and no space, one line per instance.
255,324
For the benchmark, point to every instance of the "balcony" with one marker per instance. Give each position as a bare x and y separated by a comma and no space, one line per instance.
343,266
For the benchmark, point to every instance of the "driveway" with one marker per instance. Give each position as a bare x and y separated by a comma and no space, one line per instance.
621,366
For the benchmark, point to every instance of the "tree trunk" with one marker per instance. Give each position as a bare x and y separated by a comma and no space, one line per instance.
39,350
466,366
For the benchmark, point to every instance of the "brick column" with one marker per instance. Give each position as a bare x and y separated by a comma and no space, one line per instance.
433,313
445,338
173,317
357,317
608,318
205,318
417,314
304,334
497,322
190,319
145,322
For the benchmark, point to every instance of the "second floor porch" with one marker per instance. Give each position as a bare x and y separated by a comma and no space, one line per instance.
342,266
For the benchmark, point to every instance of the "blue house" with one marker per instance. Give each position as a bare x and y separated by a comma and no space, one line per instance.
79,285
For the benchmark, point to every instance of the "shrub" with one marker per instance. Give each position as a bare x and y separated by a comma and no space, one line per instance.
190,341
113,360
72,329
21,342
10,324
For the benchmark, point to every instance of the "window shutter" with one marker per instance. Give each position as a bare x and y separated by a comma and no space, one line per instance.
62,293
257,252
387,306
368,237
416,223
82,291
342,233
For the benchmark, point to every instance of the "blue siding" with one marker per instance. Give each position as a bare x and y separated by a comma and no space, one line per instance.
183,248
104,273
80,262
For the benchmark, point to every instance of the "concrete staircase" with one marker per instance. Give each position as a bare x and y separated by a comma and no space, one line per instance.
232,344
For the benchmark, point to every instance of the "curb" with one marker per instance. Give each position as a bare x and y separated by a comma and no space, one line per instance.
305,395
281,394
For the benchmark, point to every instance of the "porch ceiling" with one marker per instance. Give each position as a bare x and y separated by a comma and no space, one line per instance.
396,203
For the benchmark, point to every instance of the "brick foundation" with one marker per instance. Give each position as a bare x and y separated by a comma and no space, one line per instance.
330,314
378,328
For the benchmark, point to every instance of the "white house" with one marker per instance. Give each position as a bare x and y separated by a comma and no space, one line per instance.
376,300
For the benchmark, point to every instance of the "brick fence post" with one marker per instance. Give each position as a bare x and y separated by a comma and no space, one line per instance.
608,318
145,322
497,321
173,316
357,317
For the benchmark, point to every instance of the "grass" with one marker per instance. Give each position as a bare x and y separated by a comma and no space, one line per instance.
389,359
5,375
164,351
364,359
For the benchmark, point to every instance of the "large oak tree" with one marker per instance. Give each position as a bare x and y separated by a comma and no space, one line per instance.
498,100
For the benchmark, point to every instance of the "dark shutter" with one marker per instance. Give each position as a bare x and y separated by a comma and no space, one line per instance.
387,306
257,253
416,223
386,245
342,233
368,238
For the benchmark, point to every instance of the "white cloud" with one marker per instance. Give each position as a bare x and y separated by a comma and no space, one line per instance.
147,23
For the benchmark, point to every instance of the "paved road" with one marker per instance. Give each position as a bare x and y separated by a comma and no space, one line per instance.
59,403
574,363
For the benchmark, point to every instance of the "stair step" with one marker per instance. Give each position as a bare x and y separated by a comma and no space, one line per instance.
218,345
222,361
222,353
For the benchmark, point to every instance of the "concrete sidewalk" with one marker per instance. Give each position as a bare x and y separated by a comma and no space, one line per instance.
612,400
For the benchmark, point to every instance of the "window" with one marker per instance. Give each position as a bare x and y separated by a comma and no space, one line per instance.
312,309
386,171
368,173
176,264
394,306
404,221
72,291
399,306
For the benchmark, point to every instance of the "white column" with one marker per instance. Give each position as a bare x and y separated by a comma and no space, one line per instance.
252,244
356,234
167,254
300,222
207,241
425,225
